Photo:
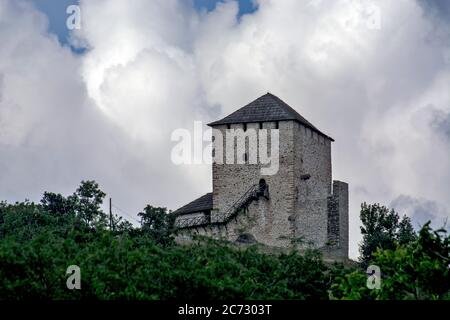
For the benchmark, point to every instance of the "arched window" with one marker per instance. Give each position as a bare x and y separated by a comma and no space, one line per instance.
263,188
262,184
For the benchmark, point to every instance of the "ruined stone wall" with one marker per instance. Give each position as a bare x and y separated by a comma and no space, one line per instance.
338,236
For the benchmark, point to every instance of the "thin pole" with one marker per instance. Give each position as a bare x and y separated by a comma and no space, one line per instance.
110,214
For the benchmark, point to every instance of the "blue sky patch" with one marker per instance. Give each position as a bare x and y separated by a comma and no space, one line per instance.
56,13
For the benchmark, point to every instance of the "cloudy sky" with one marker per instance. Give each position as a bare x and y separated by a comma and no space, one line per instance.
101,102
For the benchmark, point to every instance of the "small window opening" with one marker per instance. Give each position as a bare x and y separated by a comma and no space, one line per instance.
260,125
263,188
245,127
277,125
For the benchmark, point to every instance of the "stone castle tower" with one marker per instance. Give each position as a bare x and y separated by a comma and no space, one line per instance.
294,202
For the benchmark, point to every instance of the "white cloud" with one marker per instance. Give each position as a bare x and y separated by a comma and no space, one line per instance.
54,134
153,66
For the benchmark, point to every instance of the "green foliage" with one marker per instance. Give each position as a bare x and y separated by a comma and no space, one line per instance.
86,201
158,224
405,232
56,204
25,220
382,229
350,286
39,241
419,270
119,267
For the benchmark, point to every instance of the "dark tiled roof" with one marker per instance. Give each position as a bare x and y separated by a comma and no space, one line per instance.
266,108
203,203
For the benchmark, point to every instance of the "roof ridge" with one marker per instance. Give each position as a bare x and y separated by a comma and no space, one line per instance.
266,108
290,110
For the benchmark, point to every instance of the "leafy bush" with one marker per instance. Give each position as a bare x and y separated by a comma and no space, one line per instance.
119,267
419,270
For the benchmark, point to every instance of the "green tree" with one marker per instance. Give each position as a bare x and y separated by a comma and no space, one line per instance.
158,224
405,232
23,220
382,229
57,204
87,200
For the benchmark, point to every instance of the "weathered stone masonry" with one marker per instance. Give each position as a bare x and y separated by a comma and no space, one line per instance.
303,205
338,219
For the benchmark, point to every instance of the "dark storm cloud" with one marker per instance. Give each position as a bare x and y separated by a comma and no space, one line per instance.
439,8
441,123
420,211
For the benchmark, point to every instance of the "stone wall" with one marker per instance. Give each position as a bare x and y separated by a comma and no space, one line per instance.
312,186
231,181
338,220
253,224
